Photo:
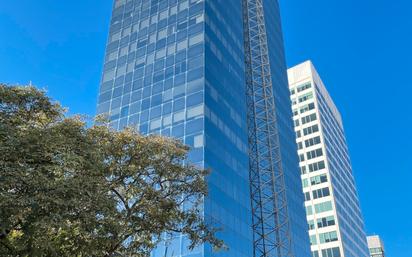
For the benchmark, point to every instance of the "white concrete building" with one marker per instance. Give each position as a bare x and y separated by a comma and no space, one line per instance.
334,217
375,246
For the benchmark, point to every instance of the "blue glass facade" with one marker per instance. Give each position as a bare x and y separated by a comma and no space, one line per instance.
225,126
176,68
287,138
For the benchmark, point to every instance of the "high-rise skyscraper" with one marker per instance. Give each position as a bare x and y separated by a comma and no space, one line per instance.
375,245
332,206
177,68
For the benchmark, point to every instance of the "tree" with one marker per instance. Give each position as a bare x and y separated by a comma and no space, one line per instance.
71,190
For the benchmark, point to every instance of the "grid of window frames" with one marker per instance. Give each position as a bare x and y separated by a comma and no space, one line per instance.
313,173
153,78
376,252
154,67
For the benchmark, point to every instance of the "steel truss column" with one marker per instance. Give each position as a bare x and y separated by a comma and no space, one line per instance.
270,219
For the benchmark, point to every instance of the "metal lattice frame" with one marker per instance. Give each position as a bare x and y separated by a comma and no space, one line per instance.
271,229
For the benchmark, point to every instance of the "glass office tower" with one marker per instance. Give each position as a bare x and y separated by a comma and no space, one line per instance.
335,221
176,68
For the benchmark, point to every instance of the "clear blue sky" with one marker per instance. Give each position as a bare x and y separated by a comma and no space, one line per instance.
362,50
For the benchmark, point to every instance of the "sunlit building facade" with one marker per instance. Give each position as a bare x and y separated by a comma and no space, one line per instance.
176,68
375,245
336,227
